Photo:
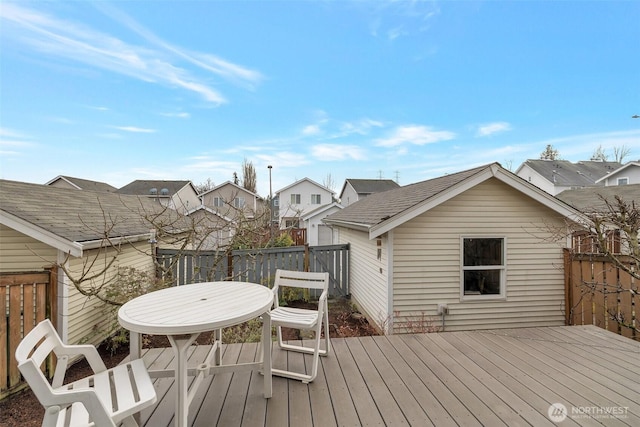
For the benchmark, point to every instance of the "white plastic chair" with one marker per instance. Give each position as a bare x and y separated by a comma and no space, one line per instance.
107,398
298,318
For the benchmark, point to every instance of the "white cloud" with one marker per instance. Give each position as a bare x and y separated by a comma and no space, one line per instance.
311,130
415,134
11,138
331,152
361,127
134,129
73,41
177,115
491,128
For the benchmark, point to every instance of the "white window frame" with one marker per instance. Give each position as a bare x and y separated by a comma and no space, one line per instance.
218,202
295,198
503,270
239,202
316,199
624,179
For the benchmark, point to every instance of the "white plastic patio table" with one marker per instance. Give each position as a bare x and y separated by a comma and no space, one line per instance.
182,313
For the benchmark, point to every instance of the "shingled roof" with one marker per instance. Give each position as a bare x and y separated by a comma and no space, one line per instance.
143,187
590,199
84,184
564,173
379,207
73,218
366,187
381,212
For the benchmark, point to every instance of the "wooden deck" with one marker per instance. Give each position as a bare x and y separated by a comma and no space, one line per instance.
490,378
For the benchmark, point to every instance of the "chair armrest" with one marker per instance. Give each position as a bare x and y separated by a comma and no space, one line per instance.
89,352
65,352
90,400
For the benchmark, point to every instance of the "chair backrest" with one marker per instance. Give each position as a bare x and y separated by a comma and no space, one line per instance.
302,279
32,352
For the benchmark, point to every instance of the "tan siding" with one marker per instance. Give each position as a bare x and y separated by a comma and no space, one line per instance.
427,260
86,315
368,284
19,252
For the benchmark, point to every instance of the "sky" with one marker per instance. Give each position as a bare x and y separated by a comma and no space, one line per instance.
327,90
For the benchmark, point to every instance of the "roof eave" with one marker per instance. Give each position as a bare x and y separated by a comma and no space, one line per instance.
348,224
40,234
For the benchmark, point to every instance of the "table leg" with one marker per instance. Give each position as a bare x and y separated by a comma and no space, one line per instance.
266,354
135,345
180,348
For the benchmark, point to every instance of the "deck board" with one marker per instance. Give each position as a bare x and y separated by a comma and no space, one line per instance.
502,377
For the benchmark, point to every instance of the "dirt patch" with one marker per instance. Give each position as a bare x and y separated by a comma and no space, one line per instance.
23,409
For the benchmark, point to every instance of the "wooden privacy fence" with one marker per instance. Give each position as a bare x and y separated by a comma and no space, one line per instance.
28,299
257,266
602,294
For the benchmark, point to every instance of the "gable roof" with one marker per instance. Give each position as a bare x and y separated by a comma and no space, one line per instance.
143,187
381,212
369,186
320,210
620,169
589,199
84,184
564,173
72,220
227,183
303,180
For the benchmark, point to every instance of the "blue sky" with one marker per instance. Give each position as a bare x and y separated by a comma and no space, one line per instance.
125,90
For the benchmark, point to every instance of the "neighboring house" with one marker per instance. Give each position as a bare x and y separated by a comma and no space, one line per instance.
592,201
356,189
555,176
233,201
178,195
299,198
318,233
481,242
213,230
59,226
62,181
624,175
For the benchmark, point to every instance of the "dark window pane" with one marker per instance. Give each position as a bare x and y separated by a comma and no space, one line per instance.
482,282
482,252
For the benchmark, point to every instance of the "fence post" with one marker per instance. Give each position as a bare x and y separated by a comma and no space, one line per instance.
568,287
306,257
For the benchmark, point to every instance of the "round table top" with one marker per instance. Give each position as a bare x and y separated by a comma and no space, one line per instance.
195,308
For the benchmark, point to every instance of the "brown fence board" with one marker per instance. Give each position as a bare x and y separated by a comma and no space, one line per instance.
28,298
601,294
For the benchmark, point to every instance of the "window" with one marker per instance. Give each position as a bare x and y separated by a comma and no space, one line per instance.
623,181
295,199
238,202
218,202
483,267
315,199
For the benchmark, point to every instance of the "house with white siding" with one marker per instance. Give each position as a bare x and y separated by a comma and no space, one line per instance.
179,195
233,201
299,198
629,173
318,233
478,249
85,231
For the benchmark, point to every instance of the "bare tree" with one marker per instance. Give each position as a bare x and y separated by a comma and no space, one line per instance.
203,187
329,182
599,155
550,153
620,152
249,179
